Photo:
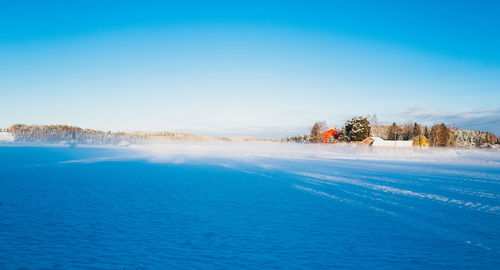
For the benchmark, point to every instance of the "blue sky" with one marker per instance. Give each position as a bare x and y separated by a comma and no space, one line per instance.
265,68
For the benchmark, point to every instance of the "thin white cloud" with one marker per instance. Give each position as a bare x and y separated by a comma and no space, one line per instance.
484,119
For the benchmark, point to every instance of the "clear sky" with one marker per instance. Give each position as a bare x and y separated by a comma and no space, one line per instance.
265,68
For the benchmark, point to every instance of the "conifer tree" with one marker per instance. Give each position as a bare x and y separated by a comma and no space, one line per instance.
417,130
393,132
356,129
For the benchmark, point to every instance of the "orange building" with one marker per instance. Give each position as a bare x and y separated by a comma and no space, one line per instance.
330,134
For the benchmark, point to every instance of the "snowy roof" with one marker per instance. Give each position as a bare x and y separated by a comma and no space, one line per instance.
377,141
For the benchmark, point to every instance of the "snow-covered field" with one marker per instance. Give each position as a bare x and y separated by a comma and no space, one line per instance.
249,205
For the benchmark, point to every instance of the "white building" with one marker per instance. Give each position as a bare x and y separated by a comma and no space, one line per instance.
377,141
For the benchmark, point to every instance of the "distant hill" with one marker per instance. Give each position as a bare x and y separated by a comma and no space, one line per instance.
71,134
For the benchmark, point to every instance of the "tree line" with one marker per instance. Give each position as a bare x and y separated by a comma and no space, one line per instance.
439,135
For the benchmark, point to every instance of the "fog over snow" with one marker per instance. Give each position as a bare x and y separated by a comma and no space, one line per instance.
252,150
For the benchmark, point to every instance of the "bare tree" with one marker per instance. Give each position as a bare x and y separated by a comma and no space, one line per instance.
441,136
316,130
491,138
373,120
407,131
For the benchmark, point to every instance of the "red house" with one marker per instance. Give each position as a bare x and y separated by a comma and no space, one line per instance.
333,133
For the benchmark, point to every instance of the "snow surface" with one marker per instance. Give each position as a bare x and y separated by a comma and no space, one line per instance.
6,137
344,206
